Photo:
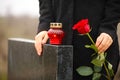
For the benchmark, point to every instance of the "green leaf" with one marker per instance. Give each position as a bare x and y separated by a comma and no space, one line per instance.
109,66
102,56
99,60
84,71
110,69
96,76
97,69
92,47
87,46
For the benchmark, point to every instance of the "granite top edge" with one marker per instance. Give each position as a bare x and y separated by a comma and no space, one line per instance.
22,40
59,45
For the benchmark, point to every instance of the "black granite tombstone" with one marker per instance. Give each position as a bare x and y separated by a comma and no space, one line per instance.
57,62
24,63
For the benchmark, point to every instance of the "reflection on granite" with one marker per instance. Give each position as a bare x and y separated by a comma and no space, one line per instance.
57,62
24,63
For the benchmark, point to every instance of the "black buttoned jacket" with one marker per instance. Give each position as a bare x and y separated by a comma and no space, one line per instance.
103,16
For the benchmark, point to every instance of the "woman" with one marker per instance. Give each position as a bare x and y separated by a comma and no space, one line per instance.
103,16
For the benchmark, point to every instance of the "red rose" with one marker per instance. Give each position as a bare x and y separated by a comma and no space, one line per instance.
82,26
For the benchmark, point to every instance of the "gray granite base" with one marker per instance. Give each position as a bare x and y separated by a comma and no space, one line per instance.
58,61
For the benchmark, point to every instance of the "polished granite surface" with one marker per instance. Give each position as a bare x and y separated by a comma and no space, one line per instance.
24,63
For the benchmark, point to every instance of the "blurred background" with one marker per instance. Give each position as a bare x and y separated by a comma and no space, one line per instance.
18,19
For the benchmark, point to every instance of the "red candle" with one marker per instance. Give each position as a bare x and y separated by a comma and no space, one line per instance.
56,33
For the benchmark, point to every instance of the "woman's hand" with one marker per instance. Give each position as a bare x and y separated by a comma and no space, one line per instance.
103,42
40,39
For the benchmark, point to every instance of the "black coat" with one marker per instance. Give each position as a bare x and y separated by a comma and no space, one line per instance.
103,16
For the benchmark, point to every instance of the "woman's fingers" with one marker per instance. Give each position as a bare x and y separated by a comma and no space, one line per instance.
40,39
103,42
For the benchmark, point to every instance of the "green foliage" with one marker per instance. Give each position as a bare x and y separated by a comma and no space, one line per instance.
85,71
92,47
110,69
96,76
97,69
99,60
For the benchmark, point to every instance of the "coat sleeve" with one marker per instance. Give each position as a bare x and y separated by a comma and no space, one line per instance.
111,18
46,14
